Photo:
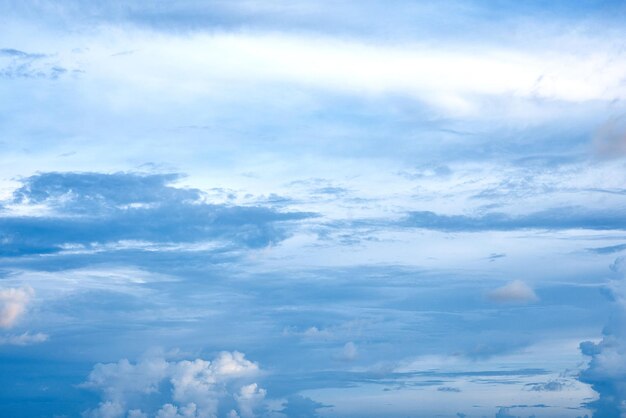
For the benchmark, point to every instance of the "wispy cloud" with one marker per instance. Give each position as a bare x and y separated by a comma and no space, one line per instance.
551,219
24,339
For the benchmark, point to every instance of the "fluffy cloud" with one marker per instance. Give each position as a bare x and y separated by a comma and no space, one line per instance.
189,389
249,399
13,303
606,372
513,292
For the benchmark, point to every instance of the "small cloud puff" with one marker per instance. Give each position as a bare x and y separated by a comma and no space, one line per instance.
349,352
513,292
13,303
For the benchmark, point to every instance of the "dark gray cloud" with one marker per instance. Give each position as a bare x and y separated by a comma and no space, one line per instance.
94,209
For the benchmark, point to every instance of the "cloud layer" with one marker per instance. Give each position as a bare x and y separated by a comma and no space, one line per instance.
84,210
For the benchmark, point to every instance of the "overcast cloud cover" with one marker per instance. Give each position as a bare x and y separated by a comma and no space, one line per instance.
297,209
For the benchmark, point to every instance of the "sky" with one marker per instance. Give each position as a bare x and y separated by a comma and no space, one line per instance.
312,209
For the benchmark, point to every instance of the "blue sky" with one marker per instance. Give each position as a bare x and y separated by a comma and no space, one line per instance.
297,209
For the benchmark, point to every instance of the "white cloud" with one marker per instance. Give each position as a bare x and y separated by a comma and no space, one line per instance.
13,303
441,74
172,411
24,339
448,76
197,386
106,409
349,352
515,291
606,371
249,398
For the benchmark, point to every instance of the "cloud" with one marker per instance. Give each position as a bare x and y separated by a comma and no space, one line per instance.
512,292
606,371
349,352
551,219
24,339
106,409
608,250
19,64
172,411
504,413
448,389
610,139
13,303
85,210
298,406
15,53
194,388
551,386
249,399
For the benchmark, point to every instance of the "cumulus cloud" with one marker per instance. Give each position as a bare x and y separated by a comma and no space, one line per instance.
188,388
606,371
513,292
13,303
172,411
249,399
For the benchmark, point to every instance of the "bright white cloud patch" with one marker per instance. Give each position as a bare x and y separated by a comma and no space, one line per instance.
196,387
515,291
440,75
13,303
